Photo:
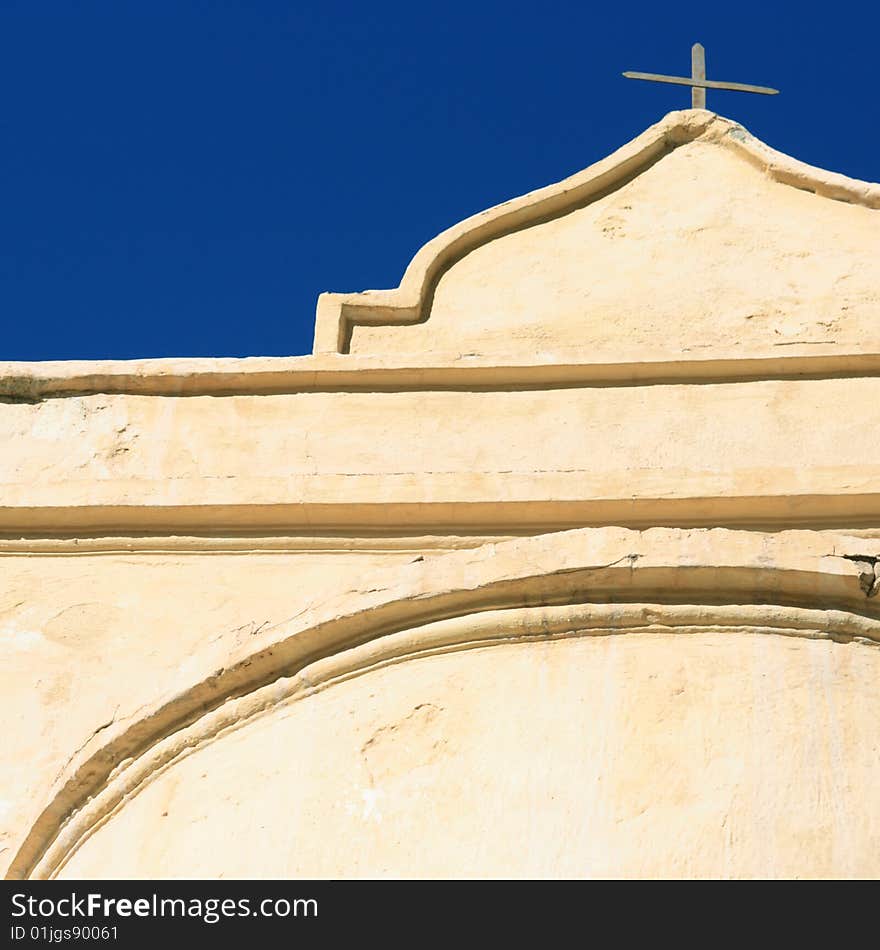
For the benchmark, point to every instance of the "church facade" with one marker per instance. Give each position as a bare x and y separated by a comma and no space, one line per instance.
561,559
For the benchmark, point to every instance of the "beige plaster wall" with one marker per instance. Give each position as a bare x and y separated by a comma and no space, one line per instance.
648,754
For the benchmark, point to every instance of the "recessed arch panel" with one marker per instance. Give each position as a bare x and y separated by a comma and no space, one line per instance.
548,587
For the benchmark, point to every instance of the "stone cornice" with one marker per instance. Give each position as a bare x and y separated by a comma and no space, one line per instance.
26,382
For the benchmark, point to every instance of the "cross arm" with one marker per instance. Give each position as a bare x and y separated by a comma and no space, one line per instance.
703,83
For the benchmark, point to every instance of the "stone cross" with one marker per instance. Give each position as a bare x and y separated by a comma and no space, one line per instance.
698,82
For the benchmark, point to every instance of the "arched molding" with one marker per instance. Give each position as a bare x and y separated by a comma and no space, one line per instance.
586,581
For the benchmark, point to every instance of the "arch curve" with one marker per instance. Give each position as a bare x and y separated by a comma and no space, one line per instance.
589,579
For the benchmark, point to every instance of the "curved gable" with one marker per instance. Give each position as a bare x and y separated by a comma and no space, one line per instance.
692,237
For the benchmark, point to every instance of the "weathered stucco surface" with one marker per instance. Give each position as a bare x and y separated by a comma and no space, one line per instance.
502,581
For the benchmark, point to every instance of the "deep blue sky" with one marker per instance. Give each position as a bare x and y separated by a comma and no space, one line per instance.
183,178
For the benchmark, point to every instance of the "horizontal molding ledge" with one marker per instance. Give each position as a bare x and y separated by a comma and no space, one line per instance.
331,372
22,527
